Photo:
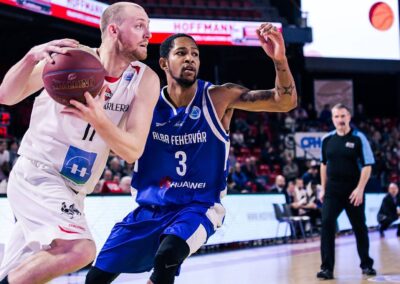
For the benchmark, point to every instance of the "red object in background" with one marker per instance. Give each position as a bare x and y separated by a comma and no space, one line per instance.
3,131
5,118
111,187
381,16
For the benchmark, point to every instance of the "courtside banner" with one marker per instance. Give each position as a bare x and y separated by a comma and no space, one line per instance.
248,217
308,144
205,32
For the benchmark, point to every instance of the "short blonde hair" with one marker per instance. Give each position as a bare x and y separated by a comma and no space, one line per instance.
114,13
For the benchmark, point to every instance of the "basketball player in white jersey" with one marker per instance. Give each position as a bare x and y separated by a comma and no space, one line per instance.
65,149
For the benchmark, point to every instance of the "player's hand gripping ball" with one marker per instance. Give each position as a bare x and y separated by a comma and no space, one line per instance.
72,74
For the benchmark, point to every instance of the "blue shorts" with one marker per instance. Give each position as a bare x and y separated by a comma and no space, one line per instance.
133,243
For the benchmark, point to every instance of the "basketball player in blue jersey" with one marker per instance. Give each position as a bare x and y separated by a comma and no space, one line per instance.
65,150
182,174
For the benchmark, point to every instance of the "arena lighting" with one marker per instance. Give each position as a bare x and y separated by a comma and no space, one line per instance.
205,32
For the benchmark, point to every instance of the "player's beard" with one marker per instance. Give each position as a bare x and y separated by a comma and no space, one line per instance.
134,55
129,53
186,83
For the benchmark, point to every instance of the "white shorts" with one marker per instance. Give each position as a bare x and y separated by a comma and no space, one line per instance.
45,209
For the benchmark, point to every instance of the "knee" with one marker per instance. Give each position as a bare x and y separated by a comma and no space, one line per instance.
87,252
328,222
98,276
80,252
169,257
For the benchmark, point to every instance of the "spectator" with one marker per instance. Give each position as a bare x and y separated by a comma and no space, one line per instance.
237,138
231,185
311,174
250,168
291,169
291,198
312,206
279,186
389,211
4,161
301,191
239,178
312,114
325,115
359,114
290,123
111,186
125,184
300,114
107,176
231,157
14,146
115,166
127,169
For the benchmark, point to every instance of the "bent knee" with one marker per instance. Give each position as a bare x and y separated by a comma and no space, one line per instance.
86,251
81,252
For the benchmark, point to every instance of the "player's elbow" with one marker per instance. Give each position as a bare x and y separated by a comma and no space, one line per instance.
290,103
3,98
133,155
288,106
8,97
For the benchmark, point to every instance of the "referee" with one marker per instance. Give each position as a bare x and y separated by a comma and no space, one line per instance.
345,169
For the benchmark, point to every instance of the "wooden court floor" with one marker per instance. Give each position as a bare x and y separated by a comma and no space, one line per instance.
290,263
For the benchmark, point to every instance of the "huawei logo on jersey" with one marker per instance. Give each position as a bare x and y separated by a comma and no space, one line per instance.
108,94
165,182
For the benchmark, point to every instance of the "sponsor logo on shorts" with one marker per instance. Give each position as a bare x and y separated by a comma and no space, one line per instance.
70,210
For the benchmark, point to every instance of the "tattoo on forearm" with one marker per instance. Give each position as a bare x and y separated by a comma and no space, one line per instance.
280,67
285,90
254,96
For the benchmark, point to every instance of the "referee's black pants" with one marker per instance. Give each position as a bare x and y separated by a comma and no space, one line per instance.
332,207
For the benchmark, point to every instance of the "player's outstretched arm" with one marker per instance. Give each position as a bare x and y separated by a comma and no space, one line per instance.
25,77
282,98
129,143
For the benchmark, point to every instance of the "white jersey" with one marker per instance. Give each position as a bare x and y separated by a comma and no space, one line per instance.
70,144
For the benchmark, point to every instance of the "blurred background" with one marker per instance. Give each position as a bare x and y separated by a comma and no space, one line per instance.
339,51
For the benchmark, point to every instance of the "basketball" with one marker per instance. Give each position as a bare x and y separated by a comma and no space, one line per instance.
72,74
381,16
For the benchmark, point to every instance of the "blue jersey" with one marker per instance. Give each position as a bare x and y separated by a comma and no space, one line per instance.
185,158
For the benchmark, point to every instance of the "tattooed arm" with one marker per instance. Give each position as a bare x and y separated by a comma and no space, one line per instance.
233,96
282,98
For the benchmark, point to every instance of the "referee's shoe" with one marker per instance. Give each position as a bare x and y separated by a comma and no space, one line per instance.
369,271
325,274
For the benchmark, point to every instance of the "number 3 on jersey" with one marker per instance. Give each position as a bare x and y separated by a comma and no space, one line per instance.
182,158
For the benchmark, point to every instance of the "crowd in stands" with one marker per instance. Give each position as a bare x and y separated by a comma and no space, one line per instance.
259,158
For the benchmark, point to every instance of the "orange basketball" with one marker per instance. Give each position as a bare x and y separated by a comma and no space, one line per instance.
381,16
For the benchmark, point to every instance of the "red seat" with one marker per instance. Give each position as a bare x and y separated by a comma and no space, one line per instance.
277,169
244,151
257,152
240,159
263,170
